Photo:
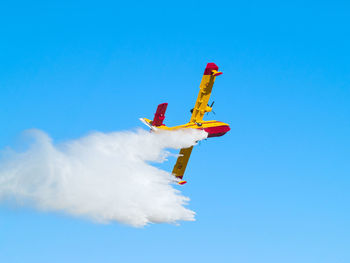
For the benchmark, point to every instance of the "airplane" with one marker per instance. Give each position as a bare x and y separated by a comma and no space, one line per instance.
213,128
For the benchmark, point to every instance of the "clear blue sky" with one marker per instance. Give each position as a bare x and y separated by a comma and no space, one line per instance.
275,189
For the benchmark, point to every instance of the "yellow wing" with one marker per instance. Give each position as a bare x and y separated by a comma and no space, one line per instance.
181,163
201,106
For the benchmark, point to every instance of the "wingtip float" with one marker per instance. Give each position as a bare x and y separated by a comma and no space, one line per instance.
213,128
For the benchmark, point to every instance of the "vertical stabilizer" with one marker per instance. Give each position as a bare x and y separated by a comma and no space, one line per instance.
159,116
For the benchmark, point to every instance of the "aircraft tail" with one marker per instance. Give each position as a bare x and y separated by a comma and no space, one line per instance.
158,118
159,115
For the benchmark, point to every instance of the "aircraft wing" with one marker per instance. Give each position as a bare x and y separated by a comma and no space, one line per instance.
181,163
201,106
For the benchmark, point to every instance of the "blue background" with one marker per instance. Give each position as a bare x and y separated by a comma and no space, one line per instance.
274,189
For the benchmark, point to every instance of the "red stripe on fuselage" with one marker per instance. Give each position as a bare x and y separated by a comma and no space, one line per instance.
188,125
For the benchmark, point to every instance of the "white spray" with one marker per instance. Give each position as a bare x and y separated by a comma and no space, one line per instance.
103,177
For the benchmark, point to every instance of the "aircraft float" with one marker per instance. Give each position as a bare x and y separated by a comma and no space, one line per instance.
213,128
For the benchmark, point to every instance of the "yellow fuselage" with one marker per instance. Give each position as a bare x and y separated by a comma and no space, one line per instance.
213,128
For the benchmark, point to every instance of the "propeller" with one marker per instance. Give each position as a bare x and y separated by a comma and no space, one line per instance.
211,106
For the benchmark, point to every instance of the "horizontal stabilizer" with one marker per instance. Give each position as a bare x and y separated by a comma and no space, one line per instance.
147,123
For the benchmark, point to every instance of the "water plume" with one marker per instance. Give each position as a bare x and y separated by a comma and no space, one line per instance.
104,177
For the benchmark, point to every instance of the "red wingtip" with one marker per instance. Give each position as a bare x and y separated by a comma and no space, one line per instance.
182,182
210,67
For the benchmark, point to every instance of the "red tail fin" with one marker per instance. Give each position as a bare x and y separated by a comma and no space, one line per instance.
159,115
